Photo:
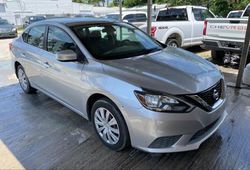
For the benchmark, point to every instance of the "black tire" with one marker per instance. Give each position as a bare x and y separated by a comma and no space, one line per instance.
124,139
172,42
248,59
218,56
28,89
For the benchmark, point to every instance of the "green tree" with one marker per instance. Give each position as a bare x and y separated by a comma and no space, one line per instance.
220,7
132,3
87,1
241,4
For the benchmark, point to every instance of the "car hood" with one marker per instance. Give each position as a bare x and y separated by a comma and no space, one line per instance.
172,70
6,26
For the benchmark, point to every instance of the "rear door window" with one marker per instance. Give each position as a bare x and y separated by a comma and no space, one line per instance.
173,14
35,36
202,14
140,17
129,17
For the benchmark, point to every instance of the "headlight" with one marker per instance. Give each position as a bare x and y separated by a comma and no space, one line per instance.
162,103
218,68
13,29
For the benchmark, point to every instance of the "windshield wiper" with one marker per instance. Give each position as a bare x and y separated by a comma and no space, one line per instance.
151,50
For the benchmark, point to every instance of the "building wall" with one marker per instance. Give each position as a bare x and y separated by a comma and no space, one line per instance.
16,10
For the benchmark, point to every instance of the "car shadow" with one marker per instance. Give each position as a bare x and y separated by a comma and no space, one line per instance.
196,49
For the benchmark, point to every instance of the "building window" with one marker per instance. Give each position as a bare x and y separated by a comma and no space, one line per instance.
2,8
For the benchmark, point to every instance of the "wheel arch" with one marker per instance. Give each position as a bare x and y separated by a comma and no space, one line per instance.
92,99
174,33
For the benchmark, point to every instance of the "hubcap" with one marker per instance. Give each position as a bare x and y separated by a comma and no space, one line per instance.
172,44
22,79
106,125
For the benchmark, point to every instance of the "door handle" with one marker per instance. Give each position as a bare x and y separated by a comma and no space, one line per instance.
46,64
23,54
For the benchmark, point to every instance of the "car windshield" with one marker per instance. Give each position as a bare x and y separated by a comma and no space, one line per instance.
3,22
113,16
235,15
109,41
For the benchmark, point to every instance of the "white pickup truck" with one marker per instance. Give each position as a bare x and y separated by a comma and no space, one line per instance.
225,35
180,26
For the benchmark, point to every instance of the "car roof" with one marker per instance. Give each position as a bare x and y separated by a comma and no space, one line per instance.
128,12
234,11
73,21
184,6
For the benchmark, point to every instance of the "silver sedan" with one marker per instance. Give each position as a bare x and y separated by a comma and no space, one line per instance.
135,90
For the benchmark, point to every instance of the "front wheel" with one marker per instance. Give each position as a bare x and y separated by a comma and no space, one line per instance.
109,125
24,81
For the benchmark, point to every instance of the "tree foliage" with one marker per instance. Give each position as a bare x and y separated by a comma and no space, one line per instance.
87,1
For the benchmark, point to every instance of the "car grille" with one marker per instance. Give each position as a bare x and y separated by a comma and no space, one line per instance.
209,97
203,131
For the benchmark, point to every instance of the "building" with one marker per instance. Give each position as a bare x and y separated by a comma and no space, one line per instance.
15,10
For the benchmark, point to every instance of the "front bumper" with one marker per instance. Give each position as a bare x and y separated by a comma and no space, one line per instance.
8,34
157,132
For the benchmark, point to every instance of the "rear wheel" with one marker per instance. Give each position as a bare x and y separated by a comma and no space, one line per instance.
24,81
110,125
172,43
218,56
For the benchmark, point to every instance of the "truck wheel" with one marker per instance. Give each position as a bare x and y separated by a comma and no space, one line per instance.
218,56
172,43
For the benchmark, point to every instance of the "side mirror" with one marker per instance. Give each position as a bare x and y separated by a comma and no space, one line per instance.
125,20
66,55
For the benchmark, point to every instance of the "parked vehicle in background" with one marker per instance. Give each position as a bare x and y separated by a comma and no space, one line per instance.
235,14
7,30
84,15
133,89
136,18
180,26
225,36
31,19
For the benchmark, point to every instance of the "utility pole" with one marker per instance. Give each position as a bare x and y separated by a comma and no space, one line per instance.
244,55
120,9
149,15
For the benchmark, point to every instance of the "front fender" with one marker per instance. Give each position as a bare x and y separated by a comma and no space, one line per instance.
171,31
